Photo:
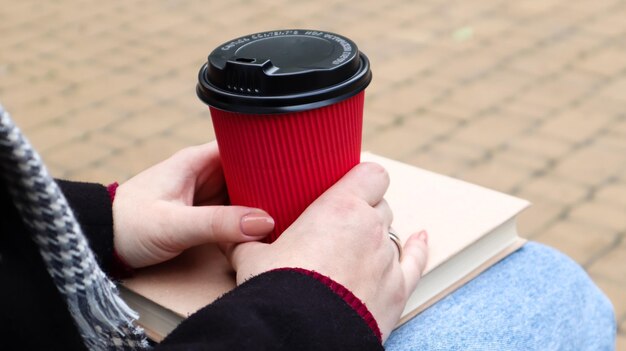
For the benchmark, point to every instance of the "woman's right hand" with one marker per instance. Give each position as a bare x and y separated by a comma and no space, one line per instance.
344,235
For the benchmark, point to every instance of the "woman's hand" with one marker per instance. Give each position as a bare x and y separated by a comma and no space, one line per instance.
178,204
344,235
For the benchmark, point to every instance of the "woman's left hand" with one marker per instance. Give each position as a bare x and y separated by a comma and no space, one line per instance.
177,204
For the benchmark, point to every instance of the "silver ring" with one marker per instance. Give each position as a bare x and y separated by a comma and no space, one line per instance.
396,240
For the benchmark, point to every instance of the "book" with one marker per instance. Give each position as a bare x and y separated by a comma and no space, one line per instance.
470,229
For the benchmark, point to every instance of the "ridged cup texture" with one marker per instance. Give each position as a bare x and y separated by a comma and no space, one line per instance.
281,163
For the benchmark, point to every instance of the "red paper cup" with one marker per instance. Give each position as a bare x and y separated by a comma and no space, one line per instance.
287,109
281,163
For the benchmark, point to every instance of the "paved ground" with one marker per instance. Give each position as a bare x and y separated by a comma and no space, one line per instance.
527,97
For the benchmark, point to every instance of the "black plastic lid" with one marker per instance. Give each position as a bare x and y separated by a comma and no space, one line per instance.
283,71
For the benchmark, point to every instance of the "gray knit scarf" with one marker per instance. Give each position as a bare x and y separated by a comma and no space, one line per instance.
104,321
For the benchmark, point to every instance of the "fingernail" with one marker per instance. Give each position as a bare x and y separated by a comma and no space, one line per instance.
256,224
423,236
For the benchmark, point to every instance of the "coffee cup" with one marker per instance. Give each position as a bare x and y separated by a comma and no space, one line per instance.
287,110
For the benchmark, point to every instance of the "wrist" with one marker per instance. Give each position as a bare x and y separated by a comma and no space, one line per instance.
120,268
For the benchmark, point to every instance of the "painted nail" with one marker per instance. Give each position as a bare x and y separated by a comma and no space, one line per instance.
256,224
423,236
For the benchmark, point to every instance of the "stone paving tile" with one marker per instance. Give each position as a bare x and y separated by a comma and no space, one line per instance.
561,91
92,119
194,131
519,159
601,215
607,61
373,128
130,103
591,164
585,242
609,24
516,107
153,121
447,157
30,117
613,195
97,174
620,128
472,66
412,65
525,97
575,126
542,61
434,162
598,102
610,266
379,119
540,145
77,154
429,126
395,141
49,136
554,189
620,343
447,109
615,90
476,98
495,175
538,217
492,130
111,141
453,149
403,100
143,155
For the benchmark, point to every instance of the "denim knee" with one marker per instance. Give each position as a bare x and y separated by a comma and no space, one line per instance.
535,299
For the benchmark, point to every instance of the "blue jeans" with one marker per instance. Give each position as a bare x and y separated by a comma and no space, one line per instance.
535,299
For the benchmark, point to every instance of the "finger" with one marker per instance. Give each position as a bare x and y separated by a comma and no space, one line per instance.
383,209
201,164
195,225
415,256
219,198
367,181
236,254
198,157
211,186
226,248
202,161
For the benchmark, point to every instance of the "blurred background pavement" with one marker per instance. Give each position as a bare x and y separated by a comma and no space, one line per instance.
526,97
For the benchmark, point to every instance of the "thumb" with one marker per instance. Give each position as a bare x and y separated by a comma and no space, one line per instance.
236,254
414,259
195,225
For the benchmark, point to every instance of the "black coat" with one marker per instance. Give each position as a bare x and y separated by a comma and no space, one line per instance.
279,310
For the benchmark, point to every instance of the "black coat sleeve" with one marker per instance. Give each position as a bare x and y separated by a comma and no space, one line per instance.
278,310
281,310
92,208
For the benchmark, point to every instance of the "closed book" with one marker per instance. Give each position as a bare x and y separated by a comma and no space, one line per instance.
470,229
